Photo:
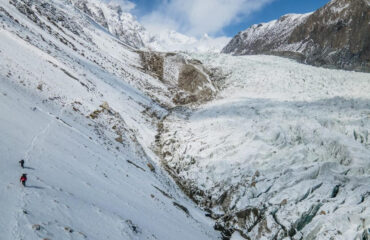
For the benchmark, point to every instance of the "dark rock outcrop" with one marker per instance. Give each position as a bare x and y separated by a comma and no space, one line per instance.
190,80
336,35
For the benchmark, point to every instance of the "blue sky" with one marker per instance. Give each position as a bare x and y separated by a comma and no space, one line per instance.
227,17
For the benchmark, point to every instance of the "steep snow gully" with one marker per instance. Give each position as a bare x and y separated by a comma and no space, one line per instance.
126,144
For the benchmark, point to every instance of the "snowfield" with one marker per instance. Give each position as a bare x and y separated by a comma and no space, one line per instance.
288,140
77,106
81,186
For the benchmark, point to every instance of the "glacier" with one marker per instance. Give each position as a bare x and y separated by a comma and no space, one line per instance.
283,152
123,143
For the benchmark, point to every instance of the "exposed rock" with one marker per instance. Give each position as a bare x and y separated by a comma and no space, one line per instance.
119,139
94,114
153,63
226,232
190,80
248,217
105,106
337,35
184,209
193,80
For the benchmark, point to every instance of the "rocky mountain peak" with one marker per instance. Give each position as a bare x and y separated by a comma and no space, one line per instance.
336,35
116,20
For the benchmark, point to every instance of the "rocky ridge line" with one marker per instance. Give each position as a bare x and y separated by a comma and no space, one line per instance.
336,35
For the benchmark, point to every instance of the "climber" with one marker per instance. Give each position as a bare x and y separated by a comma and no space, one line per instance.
22,163
23,179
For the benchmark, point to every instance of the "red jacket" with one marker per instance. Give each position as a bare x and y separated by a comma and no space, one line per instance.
23,179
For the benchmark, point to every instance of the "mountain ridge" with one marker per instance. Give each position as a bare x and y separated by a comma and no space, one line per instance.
336,35
125,27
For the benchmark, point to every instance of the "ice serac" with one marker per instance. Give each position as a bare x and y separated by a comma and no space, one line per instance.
336,35
281,153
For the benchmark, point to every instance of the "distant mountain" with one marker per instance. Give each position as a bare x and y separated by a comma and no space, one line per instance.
118,21
167,41
336,35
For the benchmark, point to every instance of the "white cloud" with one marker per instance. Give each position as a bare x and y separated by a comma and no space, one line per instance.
125,5
196,17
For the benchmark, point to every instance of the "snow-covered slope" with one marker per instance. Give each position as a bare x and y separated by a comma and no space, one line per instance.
266,36
115,18
283,153
76,105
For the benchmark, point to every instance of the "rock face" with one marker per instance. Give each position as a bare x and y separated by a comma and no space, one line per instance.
336,35
189,80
